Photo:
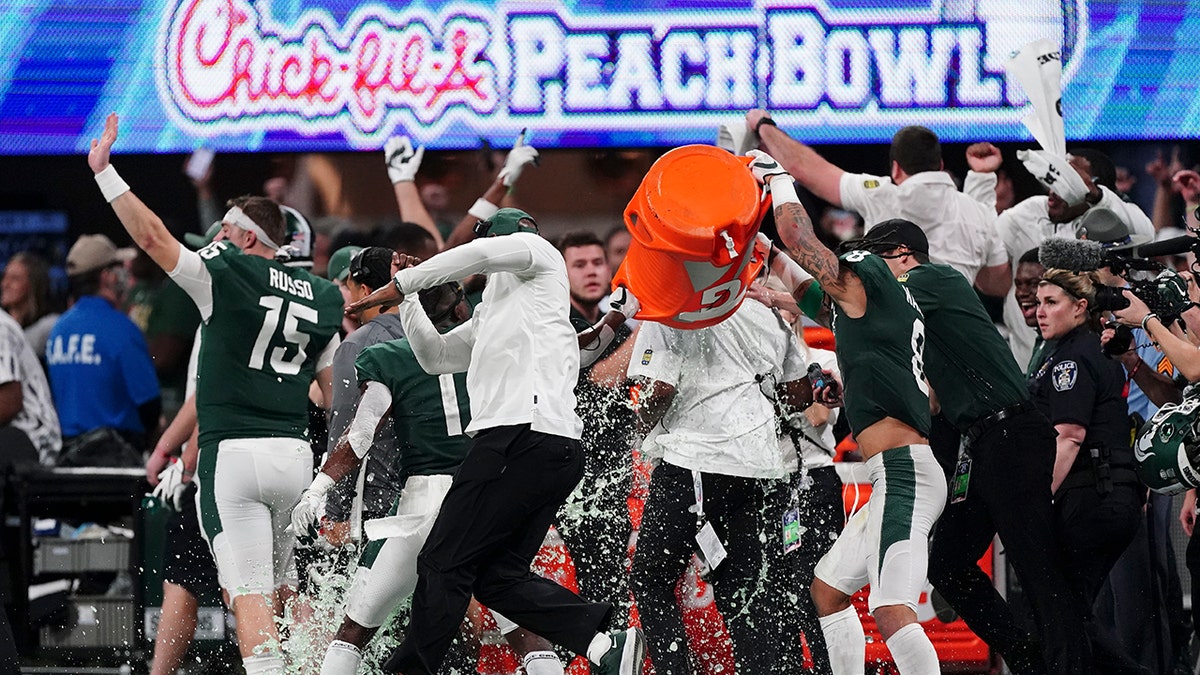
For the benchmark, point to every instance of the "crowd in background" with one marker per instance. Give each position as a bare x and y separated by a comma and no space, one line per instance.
94,376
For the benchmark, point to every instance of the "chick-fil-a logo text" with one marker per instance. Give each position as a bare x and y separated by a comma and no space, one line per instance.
226,63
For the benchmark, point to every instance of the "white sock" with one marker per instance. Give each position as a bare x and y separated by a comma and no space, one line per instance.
846,642
265,664
342,658
540,663
913,652
598,647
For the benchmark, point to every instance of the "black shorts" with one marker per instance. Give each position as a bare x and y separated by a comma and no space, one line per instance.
187,561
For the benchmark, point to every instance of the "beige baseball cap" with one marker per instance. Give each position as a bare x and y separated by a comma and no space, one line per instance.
93,252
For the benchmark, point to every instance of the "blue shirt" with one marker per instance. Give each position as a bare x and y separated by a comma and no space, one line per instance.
100,369
1138,403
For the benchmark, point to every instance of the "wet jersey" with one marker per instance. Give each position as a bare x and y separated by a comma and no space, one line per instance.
970,366
259,347
880,353
429,412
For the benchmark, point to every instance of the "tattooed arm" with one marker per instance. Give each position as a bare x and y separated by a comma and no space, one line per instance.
796,230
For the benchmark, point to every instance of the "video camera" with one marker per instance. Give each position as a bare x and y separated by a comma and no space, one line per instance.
1165,293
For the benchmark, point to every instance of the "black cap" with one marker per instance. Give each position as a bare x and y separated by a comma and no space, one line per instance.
372,266
895,233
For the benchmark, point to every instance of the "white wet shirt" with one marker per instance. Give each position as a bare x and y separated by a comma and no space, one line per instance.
721,420
519,349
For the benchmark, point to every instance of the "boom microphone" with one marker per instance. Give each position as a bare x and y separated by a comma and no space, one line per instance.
1076,255
1172,246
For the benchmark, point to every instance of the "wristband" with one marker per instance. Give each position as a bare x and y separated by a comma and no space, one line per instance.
483,209
321,483
1146,318
111,185
783,190
812,300
762,121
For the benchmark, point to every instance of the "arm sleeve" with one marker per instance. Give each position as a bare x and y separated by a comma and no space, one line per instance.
1139,223
436,352
981,187
1071,392
345,391
193,277
372,406
794,366
859,192
137,368
510,253
997,253
653,355
325,358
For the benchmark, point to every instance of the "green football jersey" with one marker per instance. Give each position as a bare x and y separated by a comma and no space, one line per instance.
429,412
970,366
880,352
259,348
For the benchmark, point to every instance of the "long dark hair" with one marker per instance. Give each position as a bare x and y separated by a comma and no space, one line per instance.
38,271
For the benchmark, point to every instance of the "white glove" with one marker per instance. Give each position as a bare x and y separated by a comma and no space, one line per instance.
171,485
311,505
764,167
518,158
402,161
624,301
1056,174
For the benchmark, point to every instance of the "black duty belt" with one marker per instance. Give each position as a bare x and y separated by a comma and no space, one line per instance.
982,425
1086,477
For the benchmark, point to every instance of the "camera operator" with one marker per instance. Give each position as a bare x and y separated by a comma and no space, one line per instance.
1097,495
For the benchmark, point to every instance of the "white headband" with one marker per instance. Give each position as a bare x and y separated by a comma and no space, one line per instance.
237,217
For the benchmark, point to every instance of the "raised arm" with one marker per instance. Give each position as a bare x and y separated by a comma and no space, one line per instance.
796,230
403,162
505,183
817,174
436,352
146,228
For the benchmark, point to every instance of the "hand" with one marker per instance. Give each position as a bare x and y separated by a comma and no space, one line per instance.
984,158
386,294
624,301
402,161
1187,514
171,485
753,117
1187,184
830,395
764,167
155,464
308,510
1125,180
518,158
403,261
1134,313
101,149
1172,291
756,291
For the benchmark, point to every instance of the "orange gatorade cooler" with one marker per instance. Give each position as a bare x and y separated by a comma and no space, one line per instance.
693,223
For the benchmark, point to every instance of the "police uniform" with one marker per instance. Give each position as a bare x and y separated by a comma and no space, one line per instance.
887,542
268,329
1007,467
1098,506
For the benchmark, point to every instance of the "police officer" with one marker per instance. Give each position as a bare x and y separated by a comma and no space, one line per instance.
1000,477
1097,495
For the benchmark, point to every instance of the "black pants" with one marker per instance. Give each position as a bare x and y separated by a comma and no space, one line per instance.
823,515
595,526
1009,494
747,515
490,527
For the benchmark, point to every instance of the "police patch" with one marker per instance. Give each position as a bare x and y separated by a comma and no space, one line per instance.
872,183
1064,375
646,356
